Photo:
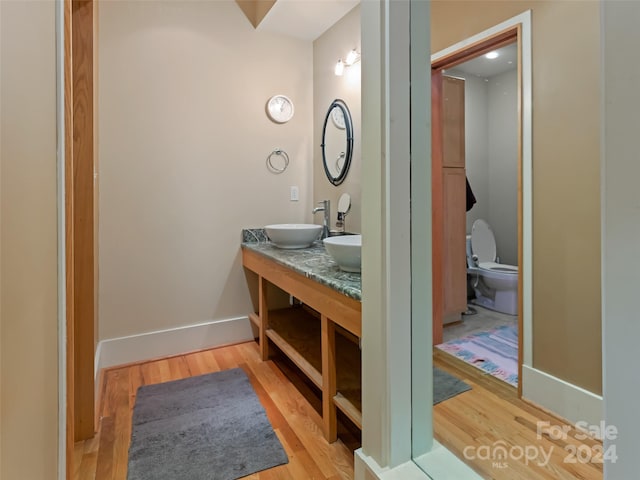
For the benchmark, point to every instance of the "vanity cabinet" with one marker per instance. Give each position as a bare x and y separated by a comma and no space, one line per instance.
321,336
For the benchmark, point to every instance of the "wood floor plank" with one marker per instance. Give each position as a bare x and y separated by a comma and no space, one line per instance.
122,434
178,368
150,373
201,363
78,453
301,462
224,358
105,456
87,467
106,400
136,381
489,413
276,418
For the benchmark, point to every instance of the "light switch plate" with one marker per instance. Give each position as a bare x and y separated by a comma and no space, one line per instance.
294,194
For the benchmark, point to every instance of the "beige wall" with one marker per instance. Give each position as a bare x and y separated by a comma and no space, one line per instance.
183,142
335,43
28,314
566,178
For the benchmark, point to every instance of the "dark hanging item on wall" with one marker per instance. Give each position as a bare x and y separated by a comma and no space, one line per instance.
471,198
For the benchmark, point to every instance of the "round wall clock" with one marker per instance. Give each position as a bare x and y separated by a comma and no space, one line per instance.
337,115
280,108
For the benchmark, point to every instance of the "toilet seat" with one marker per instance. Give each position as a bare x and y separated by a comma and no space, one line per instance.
499,267
483,243
483,246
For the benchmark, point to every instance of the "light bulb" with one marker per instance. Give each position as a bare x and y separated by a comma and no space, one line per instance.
339,68
352,57
492,55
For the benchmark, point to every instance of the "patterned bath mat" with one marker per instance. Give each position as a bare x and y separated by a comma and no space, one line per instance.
494,351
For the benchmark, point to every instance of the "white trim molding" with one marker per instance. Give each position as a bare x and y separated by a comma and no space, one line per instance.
564,399
620,170
442,465
523,19
173,341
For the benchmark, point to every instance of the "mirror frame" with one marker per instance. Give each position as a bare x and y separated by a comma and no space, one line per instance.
348,126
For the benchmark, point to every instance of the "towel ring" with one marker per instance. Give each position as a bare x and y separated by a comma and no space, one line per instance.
338,166
278,153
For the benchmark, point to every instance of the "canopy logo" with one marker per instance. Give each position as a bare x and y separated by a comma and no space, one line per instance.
500,452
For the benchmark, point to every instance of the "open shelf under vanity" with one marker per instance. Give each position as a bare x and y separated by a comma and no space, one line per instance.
320,336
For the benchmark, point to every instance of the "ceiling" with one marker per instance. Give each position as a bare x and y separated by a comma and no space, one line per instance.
486,68
305,19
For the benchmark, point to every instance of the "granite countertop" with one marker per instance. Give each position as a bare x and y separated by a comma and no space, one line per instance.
313,262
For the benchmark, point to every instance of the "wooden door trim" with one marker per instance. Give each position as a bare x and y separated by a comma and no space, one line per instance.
83,218
504,37
79,223
475,49
68,209
437,205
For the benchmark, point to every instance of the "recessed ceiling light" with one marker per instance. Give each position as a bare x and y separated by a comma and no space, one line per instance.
509,62
492,55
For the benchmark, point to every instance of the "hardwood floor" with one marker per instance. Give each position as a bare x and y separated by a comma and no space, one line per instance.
294,419
489,413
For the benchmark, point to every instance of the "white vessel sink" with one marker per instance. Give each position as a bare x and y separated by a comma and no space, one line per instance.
293,235
346,251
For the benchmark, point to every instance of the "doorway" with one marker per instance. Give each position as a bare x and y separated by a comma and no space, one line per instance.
480,177
470,318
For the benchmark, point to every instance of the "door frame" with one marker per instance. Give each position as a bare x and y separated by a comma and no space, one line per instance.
516,29
79,220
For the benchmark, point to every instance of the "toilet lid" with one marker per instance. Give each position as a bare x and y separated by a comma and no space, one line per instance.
483,243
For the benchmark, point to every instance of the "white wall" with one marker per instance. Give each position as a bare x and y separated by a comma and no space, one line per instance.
335,43
621,233
491,156
183,138
502,147
476,139
28,255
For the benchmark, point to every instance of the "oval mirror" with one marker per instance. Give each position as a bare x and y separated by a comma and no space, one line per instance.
337,142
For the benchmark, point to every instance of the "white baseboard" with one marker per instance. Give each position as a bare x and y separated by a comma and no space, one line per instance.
173,341
366,468
440,464
568,401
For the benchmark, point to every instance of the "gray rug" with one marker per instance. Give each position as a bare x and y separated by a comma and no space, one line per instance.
446,386
210,427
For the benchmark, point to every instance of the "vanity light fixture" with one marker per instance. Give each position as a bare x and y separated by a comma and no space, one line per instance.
352,57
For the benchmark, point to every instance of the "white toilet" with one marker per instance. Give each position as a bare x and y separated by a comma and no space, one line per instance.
495,284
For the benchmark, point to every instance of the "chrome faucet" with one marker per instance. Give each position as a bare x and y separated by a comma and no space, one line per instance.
326,208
